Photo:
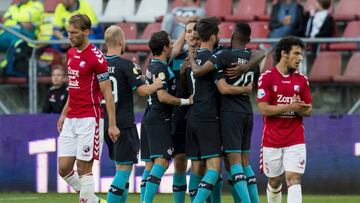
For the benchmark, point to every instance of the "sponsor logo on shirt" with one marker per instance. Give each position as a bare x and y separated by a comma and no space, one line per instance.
82,64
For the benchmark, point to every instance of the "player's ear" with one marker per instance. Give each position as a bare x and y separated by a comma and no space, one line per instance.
284,54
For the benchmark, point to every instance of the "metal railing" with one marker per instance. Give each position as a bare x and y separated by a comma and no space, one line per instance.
33,66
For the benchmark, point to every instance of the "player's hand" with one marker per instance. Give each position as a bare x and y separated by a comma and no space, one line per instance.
60,123
249,88
191,99
298,106
235,70
114,133
157,82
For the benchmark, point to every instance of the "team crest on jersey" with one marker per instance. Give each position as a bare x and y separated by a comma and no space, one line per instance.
260,93
296,88
162,76
82,64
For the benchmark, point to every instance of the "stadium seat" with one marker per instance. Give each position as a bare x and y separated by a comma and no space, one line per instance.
50,5
259,29
325,67
352,72
116,10
132,57
149,11
226,29
347,10
130,30
97,6
248,10
150,28
351,30
218,8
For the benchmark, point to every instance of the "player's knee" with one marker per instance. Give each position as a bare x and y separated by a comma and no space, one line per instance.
83,167
275,182
293,179
245,159
162,161
180,164
214,163
64,170
234,158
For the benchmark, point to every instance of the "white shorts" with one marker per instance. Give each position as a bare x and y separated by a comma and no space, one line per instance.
81,138
278,160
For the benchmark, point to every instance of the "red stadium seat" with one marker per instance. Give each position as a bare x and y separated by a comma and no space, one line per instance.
351,30
132,57
226,29
130,30
258,30
248,10
347,10
50,5
326,66
352,72
218,8
150,28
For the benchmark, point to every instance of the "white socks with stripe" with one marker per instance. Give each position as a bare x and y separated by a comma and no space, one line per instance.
73,180
87,191
294,194
274,194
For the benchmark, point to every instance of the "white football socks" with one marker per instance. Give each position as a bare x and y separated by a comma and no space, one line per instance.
294,194
273,194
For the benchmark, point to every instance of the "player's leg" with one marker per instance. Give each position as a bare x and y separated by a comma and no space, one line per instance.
67,155
273,169
124,154
88,149
145,156
196,175
294,164
154,179
179,178
232,127
234,194
210,149
148,167
246,146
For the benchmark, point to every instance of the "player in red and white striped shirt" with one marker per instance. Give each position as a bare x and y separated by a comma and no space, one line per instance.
78,125
284,99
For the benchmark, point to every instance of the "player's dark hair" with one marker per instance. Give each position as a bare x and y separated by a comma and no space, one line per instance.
206,27
242,32
325,4
158,41
285,44
80,20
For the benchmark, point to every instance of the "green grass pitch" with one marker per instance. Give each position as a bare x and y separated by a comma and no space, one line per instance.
163,198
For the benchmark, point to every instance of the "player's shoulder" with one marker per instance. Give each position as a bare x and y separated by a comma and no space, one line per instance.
267,74
301,76
95,54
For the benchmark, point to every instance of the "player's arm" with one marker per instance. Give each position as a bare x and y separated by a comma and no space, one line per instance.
238,69
105,86
306,112
275,110
63,115
227,89
146,90
178,46
165,97
203,69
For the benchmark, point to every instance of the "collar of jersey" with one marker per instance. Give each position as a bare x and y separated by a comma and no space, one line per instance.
111,57
203,49
159,61
239,49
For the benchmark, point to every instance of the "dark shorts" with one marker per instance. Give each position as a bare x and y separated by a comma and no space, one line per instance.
178,129
156,137
202,140
236,130
126,149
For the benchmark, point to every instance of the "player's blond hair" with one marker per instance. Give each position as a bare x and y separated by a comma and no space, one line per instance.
112,35
81,21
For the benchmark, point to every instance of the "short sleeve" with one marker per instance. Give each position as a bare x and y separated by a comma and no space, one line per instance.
161,72
219,75
133,75
100,65
264,88
306,93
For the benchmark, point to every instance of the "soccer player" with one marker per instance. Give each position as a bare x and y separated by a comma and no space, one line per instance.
78,124
178,119
125,77
284,99
235,106
157,118
202,131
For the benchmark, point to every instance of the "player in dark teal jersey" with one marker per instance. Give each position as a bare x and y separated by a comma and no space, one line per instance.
125,77
236,111
157,119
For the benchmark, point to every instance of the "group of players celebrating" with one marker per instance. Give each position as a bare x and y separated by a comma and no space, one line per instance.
198,109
